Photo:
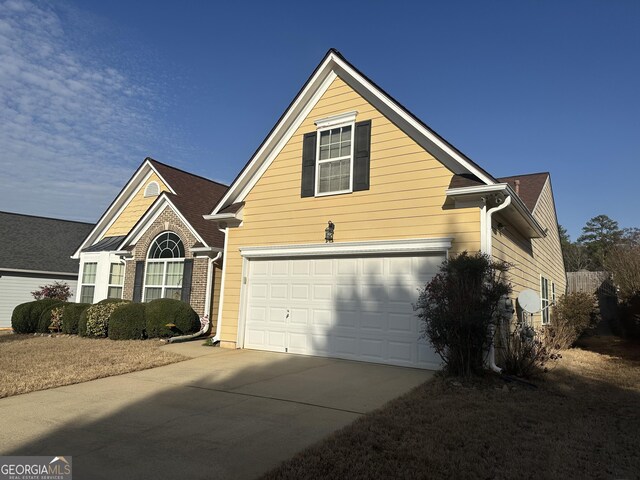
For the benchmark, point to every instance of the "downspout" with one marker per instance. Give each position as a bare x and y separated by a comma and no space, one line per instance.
205,323
216,337
207,301
491,355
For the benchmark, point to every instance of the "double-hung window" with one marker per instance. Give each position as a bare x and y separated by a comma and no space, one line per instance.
544,299
116,280
88,288
334,160
165,268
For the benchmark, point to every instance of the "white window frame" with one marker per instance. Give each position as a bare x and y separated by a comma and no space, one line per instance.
332,123
85,284
116,285
165,261
544,301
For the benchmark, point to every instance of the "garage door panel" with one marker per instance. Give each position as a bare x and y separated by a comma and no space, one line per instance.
277,315
322,292
347,267
322,267
259,269
401,323
400,265
279,291
258,291
358,308
346,319
371,292
300,268
372,266
300,292
279,269
373,321
321,317
299,316
427,265
402,352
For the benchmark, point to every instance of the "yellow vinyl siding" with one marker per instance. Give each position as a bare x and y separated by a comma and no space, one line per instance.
405,199
135,209
534,257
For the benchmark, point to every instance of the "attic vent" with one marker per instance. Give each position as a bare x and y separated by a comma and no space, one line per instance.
152,190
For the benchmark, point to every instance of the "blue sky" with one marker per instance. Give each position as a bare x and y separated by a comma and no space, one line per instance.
88,89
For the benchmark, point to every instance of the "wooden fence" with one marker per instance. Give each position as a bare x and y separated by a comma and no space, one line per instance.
591,282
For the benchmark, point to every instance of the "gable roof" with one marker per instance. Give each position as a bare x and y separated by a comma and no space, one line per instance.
39,243
530,187
528,190
333,65
192,195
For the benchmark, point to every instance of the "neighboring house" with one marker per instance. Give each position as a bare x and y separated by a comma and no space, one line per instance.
152,242
401,198
35,252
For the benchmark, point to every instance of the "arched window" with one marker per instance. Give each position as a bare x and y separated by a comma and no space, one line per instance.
165,268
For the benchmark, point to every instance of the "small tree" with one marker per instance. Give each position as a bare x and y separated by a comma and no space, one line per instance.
599,235
457,307
56,290
623,262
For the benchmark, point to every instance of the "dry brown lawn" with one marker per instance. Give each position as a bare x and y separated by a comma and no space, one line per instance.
582,421
29,363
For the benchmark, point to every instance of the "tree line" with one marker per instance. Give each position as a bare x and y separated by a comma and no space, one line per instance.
604,246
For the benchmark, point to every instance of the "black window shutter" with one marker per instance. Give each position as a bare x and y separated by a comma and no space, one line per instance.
138,280
308,165
186,280
361,154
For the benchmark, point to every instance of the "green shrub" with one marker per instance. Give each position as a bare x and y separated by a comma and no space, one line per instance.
47,316
82,322
573,314
128,322
26,316
165,311
21,318
457,306
71,317
97,318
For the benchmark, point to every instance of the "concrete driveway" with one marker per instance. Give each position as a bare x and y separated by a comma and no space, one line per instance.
222,414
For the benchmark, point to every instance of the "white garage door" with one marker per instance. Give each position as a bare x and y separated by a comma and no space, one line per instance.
357,308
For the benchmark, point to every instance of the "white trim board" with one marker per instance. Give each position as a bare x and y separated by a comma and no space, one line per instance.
376,247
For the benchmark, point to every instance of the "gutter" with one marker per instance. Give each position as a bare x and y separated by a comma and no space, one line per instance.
506,190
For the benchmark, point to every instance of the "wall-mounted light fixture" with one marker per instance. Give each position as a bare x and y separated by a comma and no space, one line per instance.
328,232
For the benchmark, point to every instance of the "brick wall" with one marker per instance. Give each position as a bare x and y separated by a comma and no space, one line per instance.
169,221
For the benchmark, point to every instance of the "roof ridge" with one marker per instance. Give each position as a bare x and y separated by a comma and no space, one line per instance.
153,160
46,218
525,175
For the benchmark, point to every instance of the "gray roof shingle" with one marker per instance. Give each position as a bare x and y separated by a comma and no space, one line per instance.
39,243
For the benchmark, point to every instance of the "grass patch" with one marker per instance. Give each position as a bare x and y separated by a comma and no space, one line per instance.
581,422
29,363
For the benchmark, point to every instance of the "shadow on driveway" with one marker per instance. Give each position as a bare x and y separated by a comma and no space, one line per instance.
226,414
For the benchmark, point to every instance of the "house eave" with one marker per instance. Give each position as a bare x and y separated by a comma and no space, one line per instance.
531,226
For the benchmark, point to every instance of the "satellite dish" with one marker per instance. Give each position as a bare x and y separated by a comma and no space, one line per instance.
529,301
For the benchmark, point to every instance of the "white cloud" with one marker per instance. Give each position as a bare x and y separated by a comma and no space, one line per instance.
72,128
